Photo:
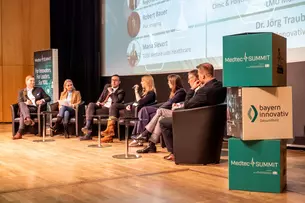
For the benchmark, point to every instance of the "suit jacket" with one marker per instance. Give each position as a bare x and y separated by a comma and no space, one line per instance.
75,100
37,92
117,96
211,93
178,97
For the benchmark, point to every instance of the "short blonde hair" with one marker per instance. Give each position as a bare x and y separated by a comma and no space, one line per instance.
29,77
150,84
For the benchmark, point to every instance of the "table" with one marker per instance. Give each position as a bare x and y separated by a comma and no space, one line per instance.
127,155
99,119
44,114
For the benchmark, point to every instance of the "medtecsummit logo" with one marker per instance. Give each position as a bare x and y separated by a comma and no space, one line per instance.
266,113
253,163
254,116
247,58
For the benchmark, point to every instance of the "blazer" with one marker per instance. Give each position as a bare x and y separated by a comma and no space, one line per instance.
75,100
179,96
211,93
117,96
37,92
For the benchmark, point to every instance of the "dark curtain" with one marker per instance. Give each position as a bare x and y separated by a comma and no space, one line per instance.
75,32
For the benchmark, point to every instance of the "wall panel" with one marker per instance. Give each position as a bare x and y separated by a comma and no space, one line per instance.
40,27
13,80
1,94
1,75
12,32
24,28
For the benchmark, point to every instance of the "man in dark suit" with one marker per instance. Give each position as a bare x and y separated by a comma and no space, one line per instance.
112,94
28,101
211,92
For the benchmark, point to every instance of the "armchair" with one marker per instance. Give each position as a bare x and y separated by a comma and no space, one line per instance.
75,122
37,118
199,141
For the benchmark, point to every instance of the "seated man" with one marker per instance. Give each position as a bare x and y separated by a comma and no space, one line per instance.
208,94
28,101
112,94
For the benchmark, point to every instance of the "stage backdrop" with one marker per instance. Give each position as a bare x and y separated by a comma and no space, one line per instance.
46,72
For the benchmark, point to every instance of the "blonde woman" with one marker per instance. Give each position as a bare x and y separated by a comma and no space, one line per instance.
177,94
148,96
69,99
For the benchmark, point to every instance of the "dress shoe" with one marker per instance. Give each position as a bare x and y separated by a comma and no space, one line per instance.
86,131
167,156
136,143
86,137
17,136
148,149
134,137
29,121
171,157
141,137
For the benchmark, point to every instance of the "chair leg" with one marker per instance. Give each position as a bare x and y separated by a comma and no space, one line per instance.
39,127
76,128
119,132
50,124
13,128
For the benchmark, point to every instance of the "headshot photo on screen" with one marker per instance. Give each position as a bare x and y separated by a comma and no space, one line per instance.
133,53
133,24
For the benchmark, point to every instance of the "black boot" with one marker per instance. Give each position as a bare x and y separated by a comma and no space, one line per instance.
55,127
66,132
151,148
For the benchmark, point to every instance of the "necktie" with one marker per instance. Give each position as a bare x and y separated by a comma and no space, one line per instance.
107,97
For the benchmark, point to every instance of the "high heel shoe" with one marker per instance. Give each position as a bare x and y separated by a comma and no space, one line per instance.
54,128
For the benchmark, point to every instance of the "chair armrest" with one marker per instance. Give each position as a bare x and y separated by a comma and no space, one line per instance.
80,110
14,110
202,121
157,105
137,107
54,106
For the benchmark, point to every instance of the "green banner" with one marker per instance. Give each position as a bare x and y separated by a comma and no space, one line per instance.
45,68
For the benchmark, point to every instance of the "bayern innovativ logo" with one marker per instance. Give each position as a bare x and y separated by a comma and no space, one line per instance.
252,113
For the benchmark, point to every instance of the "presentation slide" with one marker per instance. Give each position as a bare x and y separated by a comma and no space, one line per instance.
164,36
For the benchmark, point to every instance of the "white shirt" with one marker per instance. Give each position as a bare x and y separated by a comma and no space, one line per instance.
197,89
109,101
69,97
31,96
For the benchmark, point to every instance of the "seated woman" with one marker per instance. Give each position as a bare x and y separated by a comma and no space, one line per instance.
69,99
153,127
177,95
147,97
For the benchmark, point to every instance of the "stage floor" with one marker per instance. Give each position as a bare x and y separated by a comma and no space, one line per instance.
68,171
